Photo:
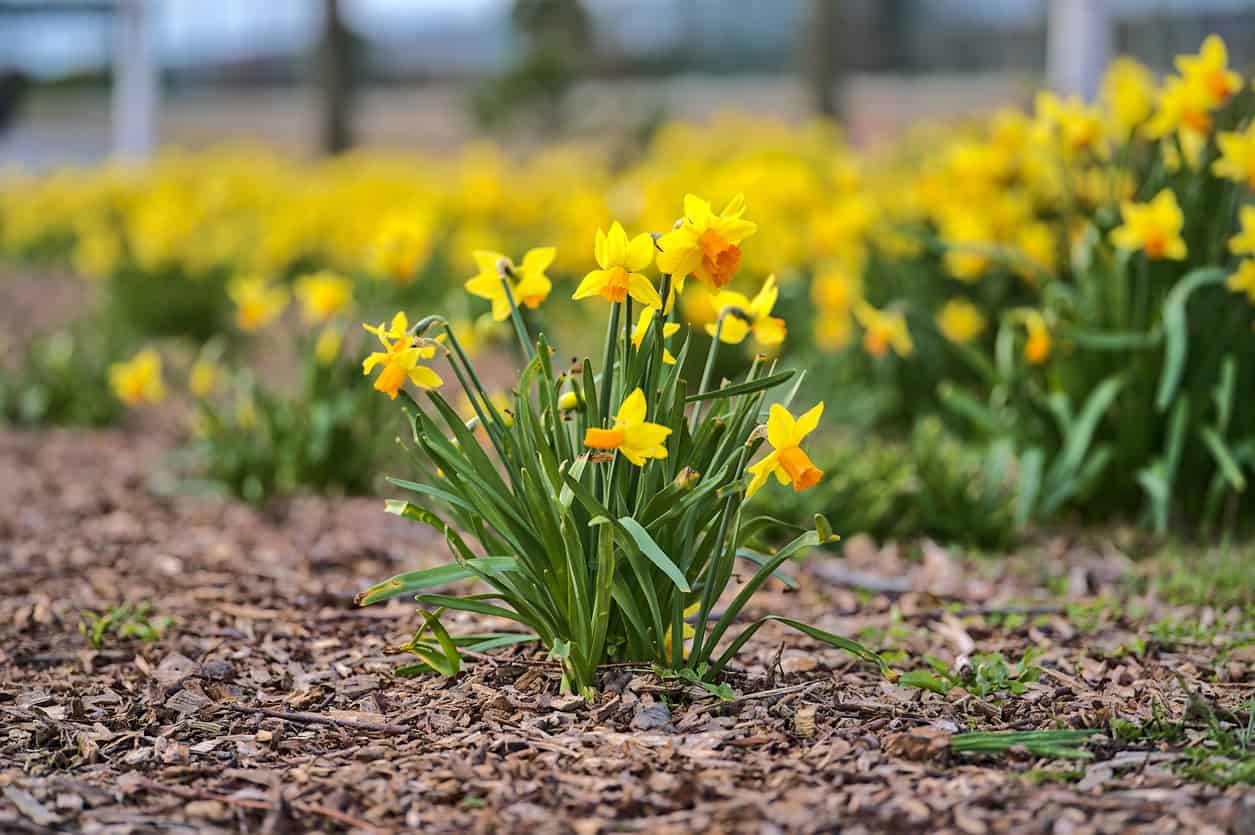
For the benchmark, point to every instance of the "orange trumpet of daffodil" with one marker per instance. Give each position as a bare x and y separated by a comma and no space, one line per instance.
631,434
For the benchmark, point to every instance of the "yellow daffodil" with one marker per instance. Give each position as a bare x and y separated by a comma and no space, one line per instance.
203,377
882,330
1210,70
1077,126
1237,156
1038,345
705,244
621,261
1243,243
737,317
631,434
1036,242
787,462
327,346
400,247
1128,93
257,301
138,380
642,327
322,295
400,358
966,232
960,321
528,283
1154,227
1242,280
833,331
1182,106
835,289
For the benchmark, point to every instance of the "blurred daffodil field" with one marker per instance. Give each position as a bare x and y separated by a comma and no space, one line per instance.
1041,315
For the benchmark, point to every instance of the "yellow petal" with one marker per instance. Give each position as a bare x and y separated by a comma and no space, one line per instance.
633,409
640,252
592,284
641,289
780,427
424,377
806,423
537,260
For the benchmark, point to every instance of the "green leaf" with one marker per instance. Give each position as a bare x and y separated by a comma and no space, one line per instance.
413,581
1224,459
434,492
653,553
747,387
1176,330
924,680
853,647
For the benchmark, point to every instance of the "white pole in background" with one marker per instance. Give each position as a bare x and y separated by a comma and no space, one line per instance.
1079,36
134,80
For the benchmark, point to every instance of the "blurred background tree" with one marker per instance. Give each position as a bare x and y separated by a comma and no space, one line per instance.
558,41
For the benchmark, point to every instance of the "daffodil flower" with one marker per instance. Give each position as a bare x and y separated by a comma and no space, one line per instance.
1153,228
960,321
257,301
1242,280
1038,345
138,380
642,327
322,295
1237,156
787,462
631,434
1210,70
882,330
1243,243
400,359
528,283
737,316
620,261
705,244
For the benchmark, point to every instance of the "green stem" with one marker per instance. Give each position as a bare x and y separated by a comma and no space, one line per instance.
520,329
626,361
607,363
707,372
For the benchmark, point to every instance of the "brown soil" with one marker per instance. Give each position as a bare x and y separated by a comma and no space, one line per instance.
269,706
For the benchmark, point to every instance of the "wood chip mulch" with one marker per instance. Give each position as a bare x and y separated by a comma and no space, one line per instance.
269,705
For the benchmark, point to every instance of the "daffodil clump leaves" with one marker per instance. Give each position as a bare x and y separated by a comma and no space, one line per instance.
604,509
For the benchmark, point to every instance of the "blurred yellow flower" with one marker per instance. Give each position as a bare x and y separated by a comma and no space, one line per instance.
737,316
138,380
642,327
705,244
203,377
527,282
620,261
257,301
327,346
960,321
1077,126
1037,347
882,330
400,247
1243,243
1181,106
1128,93
322,295
787,462
1242,280
833,331
836,289
1237,156
1209,69
1154,227
631,434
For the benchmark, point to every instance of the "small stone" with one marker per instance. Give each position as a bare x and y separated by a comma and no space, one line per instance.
651,717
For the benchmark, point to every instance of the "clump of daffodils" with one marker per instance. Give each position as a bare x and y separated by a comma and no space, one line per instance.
604,506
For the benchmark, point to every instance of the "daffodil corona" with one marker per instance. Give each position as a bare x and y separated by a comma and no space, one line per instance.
527,282
705,244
